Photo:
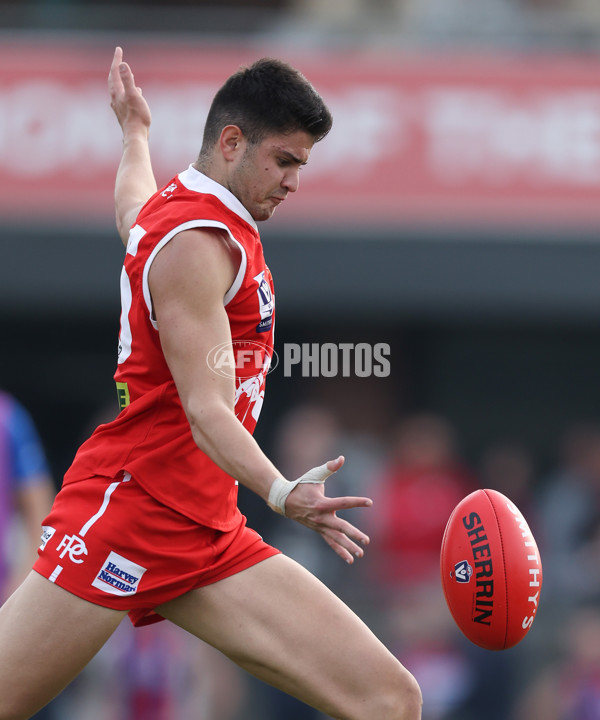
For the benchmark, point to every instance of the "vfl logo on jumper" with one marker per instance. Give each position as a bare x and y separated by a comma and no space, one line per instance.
47,533
119,576
74,546
266,303
462,572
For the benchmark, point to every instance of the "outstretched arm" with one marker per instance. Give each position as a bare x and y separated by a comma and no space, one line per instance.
135,181
188,280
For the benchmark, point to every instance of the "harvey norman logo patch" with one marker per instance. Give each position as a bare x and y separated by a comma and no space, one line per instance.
119,576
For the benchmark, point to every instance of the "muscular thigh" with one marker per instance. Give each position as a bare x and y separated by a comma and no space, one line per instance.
283,625
47,635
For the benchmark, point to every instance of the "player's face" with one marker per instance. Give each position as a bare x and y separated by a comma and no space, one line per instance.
267,172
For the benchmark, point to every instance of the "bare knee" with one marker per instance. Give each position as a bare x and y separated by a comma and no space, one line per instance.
399,699
409,699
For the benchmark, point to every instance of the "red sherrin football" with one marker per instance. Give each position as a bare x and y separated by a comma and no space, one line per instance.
491,570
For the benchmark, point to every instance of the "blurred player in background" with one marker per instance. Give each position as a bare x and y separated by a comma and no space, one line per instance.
26,492
146,521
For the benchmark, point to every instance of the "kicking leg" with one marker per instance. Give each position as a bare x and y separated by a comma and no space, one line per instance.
47,636
284,626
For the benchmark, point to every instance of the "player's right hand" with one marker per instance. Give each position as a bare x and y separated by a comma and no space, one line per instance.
308,505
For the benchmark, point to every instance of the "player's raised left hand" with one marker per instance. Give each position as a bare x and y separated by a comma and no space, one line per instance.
127,100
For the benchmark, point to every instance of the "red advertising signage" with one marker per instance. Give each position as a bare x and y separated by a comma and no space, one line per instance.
417,140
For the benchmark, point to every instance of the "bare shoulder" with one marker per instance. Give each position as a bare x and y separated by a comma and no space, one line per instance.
196,262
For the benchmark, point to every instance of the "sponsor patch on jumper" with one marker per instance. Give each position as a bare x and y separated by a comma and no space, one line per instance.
119,576
47,533
266,303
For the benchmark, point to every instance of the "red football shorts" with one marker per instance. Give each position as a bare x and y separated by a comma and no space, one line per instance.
109,542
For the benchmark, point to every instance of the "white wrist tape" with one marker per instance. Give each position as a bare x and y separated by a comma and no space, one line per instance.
281,488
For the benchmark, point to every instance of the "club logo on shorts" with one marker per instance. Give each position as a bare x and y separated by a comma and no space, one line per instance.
47,533
73,545
119,576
